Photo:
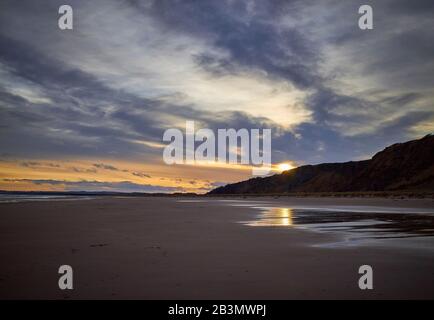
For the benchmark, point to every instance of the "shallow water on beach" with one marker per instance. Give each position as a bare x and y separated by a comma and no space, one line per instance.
15,198
356,224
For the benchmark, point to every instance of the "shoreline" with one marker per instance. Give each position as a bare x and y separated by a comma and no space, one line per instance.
354,194
286,198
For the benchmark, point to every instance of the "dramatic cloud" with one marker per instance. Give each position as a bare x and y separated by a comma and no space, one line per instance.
105,166
108,89
141,175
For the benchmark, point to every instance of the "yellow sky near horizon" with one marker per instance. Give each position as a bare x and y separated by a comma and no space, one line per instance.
48,175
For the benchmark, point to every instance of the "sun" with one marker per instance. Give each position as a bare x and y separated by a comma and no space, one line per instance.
285,166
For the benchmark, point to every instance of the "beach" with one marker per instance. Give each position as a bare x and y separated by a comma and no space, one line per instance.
208,248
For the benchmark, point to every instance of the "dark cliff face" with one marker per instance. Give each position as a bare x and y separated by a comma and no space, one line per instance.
402,166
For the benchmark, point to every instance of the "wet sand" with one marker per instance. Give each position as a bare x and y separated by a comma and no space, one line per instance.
169,248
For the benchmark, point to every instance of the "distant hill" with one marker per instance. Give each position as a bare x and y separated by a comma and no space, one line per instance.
402,166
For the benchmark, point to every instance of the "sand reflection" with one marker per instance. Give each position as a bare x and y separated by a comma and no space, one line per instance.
355,225
279,217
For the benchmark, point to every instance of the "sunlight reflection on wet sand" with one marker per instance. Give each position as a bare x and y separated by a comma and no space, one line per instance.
273,217
355,226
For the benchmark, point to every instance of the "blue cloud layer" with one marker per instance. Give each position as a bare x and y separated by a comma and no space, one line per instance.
131,69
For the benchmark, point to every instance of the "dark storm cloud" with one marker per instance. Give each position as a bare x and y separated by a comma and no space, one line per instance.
251,37
254,41
65,109
79,113
78,108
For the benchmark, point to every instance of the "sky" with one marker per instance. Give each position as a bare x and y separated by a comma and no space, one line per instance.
86,109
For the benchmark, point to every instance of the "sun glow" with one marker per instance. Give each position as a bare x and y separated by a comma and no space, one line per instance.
285,166
274,217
